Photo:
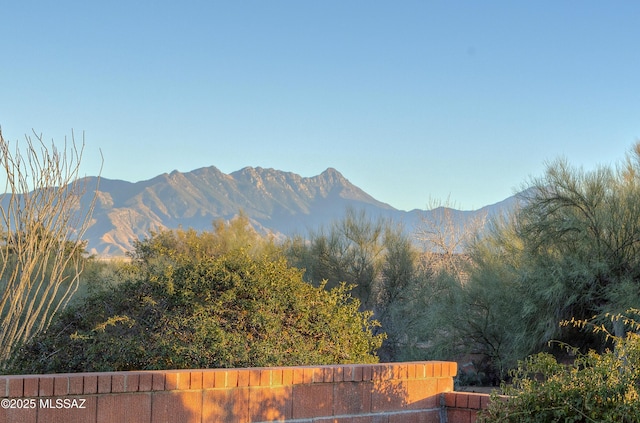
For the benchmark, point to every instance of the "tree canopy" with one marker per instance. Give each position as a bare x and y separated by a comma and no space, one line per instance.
570,251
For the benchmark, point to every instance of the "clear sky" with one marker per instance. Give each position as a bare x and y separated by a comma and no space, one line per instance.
409,100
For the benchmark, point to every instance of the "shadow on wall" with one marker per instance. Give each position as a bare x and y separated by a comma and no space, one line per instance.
341,392
280,394
234,395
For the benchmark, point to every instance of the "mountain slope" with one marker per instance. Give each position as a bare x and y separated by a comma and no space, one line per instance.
281,202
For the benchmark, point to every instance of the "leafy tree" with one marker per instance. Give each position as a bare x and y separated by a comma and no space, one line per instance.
569,251
350,252
185,245
377,260
468,314
183,304
42,224
581,238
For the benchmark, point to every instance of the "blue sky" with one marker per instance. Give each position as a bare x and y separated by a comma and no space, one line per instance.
411,101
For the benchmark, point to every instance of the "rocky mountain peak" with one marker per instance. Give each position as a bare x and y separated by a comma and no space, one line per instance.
276,201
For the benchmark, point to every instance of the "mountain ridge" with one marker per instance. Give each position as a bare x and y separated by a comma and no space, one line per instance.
280,202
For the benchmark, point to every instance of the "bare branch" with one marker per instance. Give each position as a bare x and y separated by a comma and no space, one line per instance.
43,218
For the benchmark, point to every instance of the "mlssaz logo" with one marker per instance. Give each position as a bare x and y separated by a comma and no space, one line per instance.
63,403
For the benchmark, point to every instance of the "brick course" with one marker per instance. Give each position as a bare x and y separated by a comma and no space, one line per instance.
354,393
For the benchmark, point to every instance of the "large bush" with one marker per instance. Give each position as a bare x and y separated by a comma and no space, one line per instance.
178,308
593,388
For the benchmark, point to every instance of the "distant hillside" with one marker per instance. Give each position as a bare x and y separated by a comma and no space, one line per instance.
276,201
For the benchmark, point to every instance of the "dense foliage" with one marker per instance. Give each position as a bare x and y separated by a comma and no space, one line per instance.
382,265
190,300
570,250
593,388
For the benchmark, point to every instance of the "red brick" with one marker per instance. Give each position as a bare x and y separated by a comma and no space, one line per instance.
70,415
270,404
421,394
4,386
377,372
243,378
308,374
276,377
177,380
429,369
411,370
357,374
184,380
449,369
31,387
445,384
231,378
474,401
157,383
254,377
449,399
220,379
420,370
388,396
209,379
196,380
338,375
367,373
104,383
17,415
287,376
347,373
226,405
327,374
145,382
462,400
317,375
90,384
266,377
171,381
460,416
313,400
352,398
118,383
399,371
484,401
45,386
132,382
176,406
76,384
127,407
16,387
298,375
61,385
437,369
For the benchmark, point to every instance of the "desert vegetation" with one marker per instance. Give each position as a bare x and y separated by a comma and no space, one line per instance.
42,223
225,298
518,295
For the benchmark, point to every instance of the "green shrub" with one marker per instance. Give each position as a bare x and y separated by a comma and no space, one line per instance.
188,310
593,388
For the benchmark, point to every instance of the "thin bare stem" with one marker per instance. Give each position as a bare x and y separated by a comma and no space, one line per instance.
45,212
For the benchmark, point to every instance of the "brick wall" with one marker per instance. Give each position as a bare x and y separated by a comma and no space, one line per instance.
463,407
377,393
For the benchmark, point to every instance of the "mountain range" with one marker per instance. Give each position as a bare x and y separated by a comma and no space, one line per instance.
275,201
